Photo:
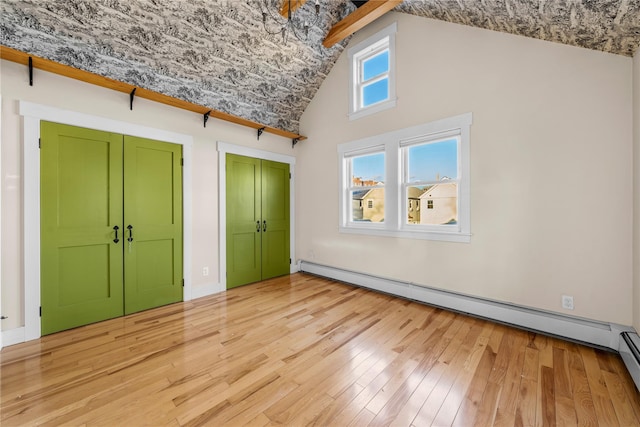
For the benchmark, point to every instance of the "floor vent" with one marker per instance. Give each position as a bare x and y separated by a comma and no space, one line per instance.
630,352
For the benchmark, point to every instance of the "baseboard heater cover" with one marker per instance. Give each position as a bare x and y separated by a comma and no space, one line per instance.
630,352
595,333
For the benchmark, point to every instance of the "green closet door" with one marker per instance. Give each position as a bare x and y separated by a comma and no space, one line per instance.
81,203
257,219
275,215
153,222
244,224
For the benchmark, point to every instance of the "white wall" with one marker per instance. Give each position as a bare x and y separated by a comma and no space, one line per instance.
64,93
636,191
551,168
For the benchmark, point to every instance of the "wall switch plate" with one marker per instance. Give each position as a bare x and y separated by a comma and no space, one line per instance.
567,302
205,271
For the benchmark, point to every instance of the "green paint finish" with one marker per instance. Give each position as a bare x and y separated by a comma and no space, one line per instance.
275,211
257,197
244,222
81,202
153,207
90,182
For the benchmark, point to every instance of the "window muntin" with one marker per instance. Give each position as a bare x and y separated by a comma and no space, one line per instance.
412,188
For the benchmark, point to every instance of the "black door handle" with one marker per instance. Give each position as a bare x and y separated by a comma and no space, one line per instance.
264,225
116,228
258,226
130,228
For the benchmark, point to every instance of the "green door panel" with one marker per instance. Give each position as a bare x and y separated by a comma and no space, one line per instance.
257,219
244,225
153,209
275,212
81,202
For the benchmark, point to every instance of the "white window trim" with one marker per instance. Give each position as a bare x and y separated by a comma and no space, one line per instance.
360,49
395,209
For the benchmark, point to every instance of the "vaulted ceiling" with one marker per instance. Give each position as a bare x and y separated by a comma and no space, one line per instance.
216,53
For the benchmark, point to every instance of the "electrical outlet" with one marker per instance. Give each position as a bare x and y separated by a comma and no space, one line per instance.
205,271
567,302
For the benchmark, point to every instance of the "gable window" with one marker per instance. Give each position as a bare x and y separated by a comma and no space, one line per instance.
398,172
372,81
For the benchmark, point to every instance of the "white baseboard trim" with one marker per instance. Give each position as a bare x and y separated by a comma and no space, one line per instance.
13,336
206,290
596,333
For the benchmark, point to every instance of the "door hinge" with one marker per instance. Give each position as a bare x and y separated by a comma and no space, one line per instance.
40,311
183,283
289,261
289,175
39,143
182,162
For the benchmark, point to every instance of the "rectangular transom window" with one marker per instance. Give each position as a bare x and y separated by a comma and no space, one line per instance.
411,183
372,74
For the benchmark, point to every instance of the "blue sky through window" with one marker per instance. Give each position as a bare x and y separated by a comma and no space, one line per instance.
369,168
434,161
375,66
376,92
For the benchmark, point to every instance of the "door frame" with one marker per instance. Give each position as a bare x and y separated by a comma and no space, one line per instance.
223,149
32,114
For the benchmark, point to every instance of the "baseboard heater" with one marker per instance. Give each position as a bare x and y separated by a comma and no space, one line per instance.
630,352
591,332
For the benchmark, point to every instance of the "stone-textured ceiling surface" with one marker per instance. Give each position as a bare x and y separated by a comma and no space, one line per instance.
210,52
607,25
217,54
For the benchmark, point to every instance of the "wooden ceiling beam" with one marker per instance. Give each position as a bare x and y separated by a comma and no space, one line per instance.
295,4
20,57
365,14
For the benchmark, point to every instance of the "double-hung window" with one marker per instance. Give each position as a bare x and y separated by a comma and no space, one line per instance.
430,178
372,79
411,183
365,186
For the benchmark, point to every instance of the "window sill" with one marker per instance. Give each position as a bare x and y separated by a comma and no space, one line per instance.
376,108
442,236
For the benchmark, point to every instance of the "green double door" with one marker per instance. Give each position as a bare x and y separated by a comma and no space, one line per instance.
111,225
257,219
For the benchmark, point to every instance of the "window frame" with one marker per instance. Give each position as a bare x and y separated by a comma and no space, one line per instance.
347,175
396,208
358,54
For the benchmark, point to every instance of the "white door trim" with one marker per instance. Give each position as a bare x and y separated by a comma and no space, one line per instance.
223,149
32,115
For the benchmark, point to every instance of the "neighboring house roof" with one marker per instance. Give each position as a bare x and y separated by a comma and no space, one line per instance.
440,190
360,194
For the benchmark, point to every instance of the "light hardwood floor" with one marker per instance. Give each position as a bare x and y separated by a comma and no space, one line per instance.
302,350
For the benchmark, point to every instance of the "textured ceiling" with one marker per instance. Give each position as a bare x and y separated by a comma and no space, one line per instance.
216,53
607,25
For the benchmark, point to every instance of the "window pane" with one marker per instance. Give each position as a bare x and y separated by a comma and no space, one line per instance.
433,162
367,205
375,92
433,205
375,65
367,170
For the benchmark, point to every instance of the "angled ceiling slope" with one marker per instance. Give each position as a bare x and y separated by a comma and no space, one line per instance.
212,53
215,53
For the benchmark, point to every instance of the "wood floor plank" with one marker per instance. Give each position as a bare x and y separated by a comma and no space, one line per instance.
304,350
